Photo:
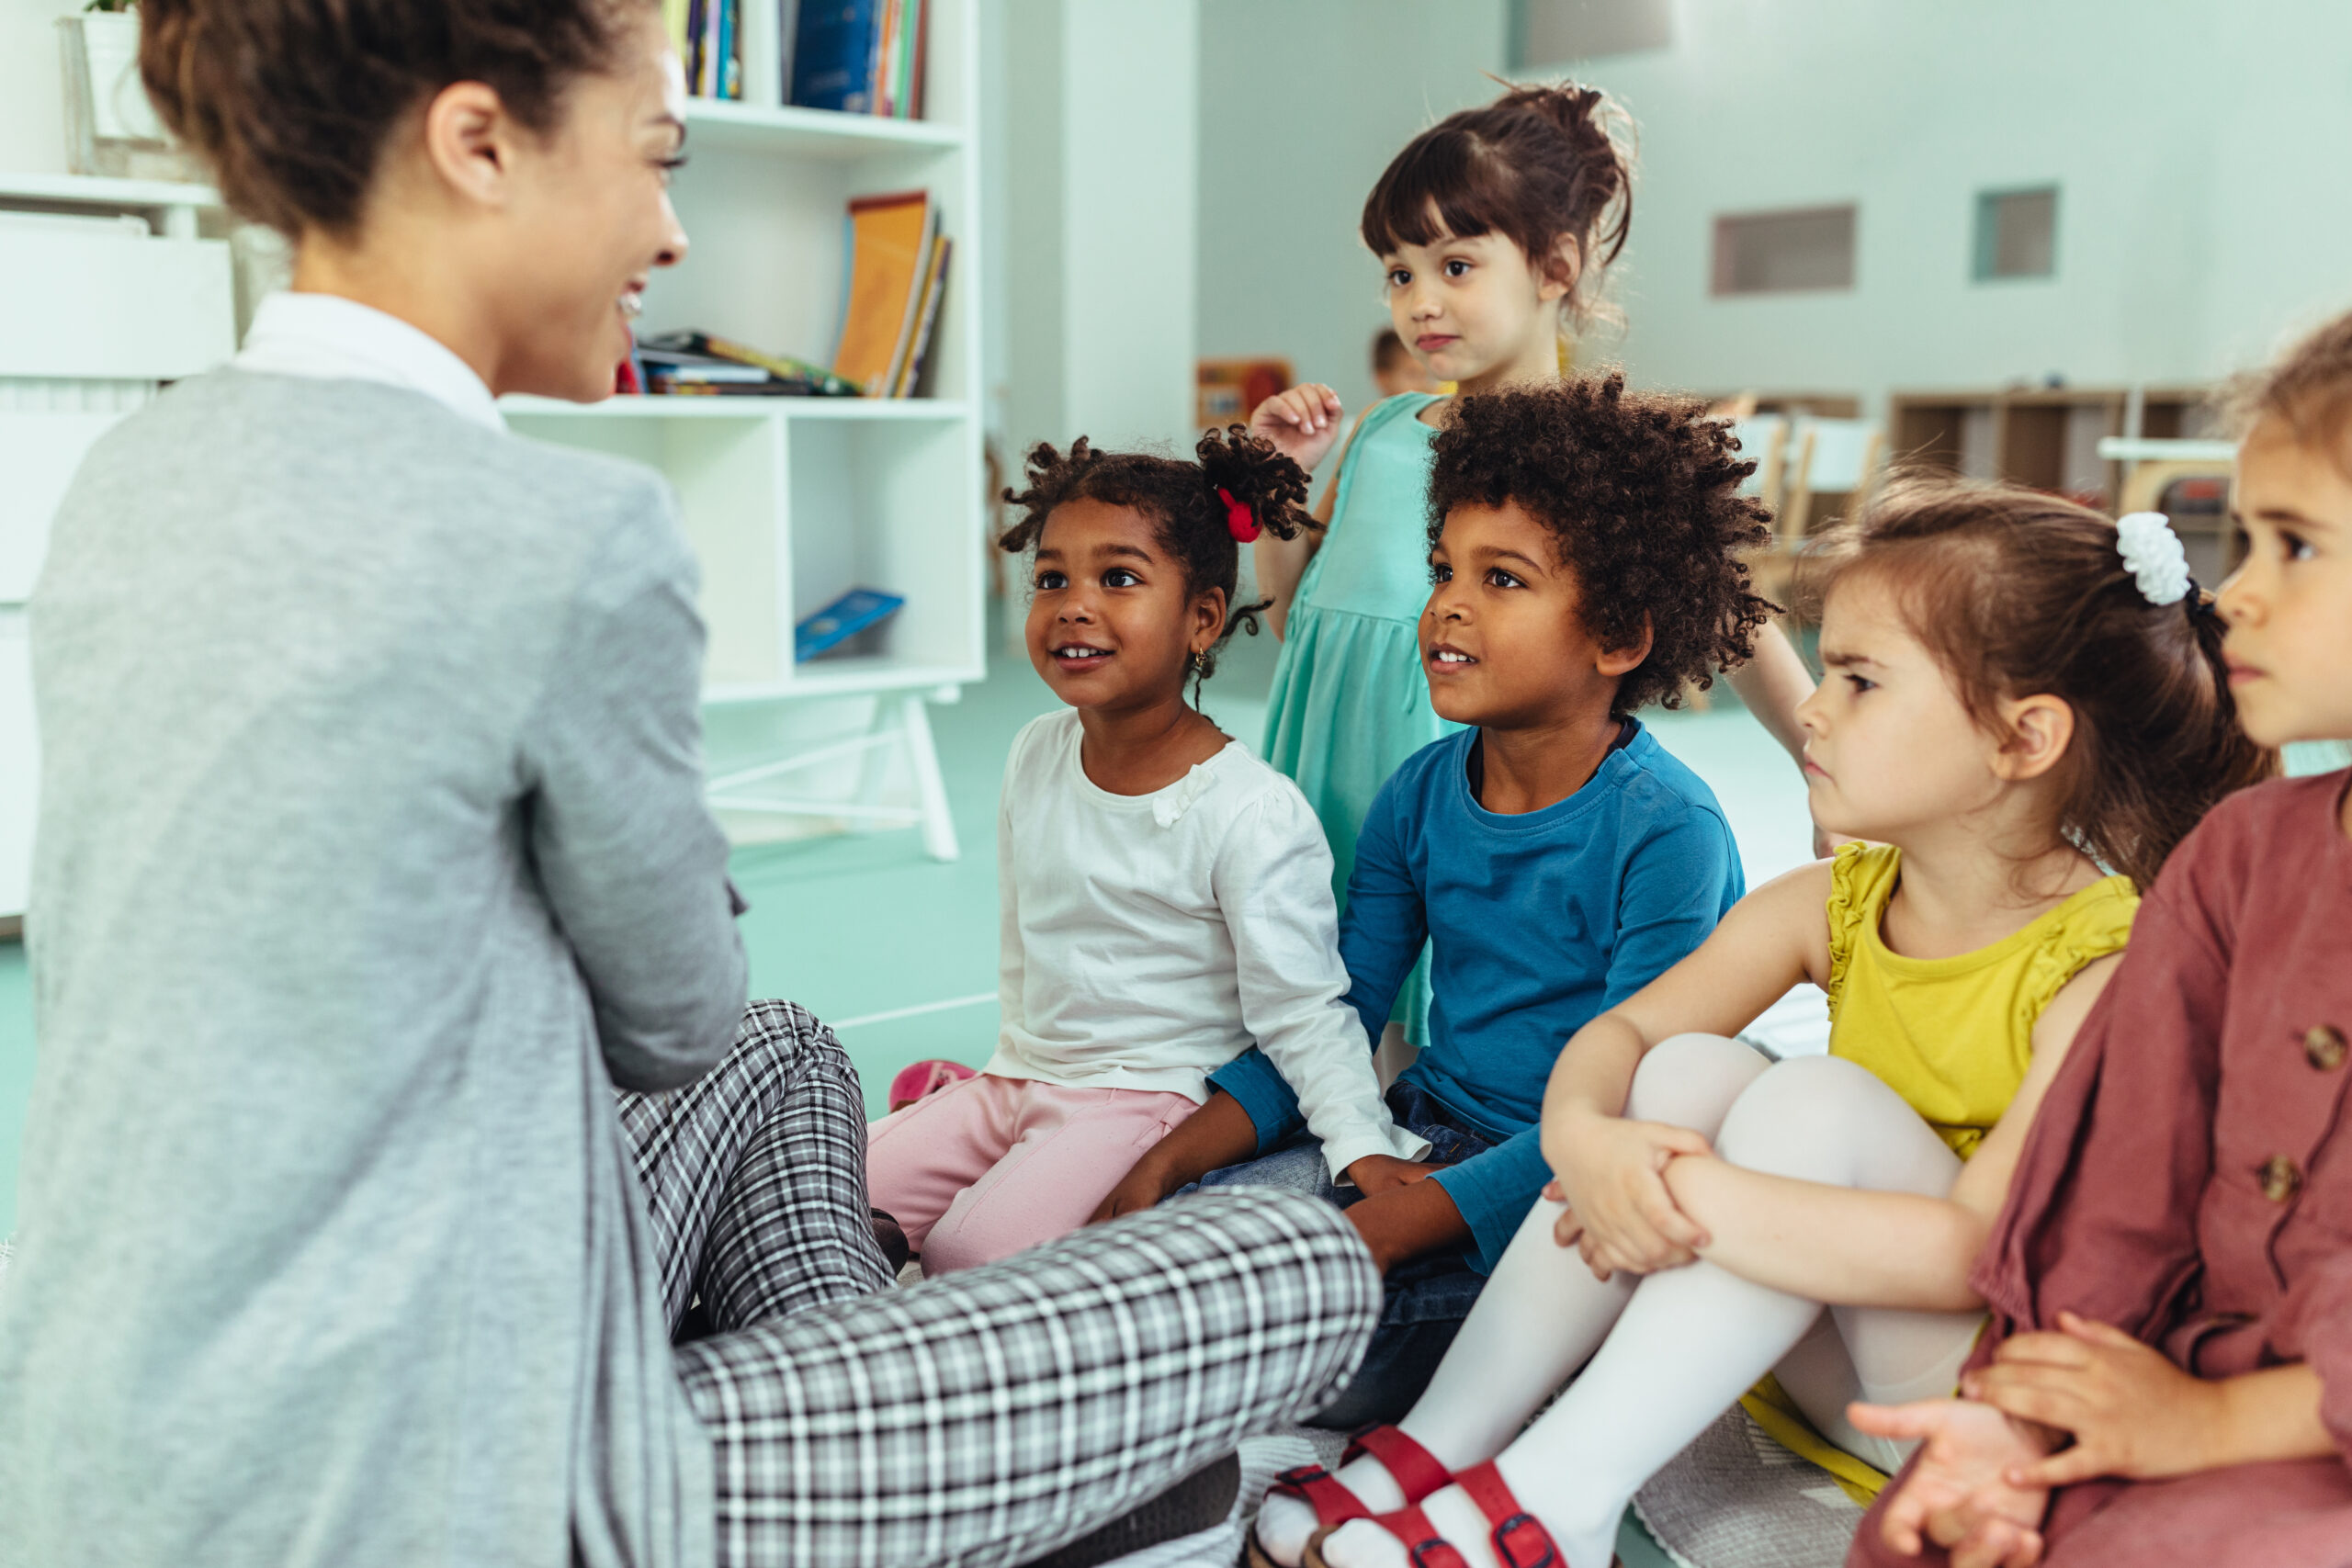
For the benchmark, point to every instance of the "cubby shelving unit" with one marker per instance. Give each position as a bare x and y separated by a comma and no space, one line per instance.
791,501
2046,437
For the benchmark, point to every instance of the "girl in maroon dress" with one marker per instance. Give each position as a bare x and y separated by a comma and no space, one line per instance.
2168,1374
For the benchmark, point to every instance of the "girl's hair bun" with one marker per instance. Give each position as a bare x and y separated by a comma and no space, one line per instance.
1249,469
291,101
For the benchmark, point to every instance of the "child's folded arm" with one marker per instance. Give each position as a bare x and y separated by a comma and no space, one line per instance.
1844,1245
1273,883
1609,1168
1841,1245
1495,1190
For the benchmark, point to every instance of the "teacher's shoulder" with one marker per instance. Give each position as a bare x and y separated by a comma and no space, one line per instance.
620,513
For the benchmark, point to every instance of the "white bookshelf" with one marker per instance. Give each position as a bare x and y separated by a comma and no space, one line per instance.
791,501
93,315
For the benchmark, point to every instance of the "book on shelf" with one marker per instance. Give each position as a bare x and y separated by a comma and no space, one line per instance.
842,619
934,288
788,40
666,374
708,37
893,241
701,362
858,56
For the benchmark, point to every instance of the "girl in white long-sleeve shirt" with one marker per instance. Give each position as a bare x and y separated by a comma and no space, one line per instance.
1167,895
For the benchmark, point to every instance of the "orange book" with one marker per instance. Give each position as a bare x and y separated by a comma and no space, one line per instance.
889,250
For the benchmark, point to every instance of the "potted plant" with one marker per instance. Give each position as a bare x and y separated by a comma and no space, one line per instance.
110,127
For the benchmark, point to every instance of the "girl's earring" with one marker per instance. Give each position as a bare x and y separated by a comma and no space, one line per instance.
1199,661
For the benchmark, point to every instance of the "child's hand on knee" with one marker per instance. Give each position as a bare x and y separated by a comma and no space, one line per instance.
1620,1213
1142,1188
1378,1173
1961,1493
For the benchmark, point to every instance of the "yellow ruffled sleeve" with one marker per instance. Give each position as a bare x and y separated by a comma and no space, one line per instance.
1861,879
2099,922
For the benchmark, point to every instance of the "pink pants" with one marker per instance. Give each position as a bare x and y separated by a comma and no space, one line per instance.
994,1165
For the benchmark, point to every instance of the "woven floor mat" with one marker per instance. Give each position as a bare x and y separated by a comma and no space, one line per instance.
1736,1499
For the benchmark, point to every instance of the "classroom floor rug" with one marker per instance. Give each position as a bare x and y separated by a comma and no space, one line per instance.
1736,1499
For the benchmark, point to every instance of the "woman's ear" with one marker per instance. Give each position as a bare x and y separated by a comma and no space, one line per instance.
467,141
2039,729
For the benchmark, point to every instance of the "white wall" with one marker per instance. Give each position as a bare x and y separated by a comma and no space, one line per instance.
1301,104
32,95
1130,165
1098,257
2196,144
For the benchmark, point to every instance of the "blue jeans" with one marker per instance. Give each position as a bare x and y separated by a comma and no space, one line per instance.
1424,1300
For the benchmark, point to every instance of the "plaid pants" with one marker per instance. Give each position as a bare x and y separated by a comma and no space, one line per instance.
982,1419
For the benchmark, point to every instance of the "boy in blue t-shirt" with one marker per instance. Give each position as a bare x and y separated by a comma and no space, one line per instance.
1585,551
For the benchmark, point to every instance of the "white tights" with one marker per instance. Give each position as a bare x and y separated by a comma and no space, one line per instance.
1669,1352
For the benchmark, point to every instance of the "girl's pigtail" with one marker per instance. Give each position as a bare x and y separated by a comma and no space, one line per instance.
1256,489
1247,469
1601,137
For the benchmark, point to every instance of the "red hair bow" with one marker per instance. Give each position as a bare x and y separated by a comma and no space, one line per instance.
1238,521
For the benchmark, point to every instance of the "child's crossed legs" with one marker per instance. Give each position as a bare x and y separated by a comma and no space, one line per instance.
995,1165
1671,1351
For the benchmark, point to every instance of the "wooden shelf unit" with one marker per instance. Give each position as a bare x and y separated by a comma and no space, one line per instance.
2045,437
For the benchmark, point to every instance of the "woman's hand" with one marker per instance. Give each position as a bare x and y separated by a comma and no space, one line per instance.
1961,1493
1620,1213
1378,1173
1301,423
2131,1411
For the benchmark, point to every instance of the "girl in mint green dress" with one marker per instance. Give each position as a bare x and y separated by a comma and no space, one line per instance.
1485,225
1350,701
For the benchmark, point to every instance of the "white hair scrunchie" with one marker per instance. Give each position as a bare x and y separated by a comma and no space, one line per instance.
2152,554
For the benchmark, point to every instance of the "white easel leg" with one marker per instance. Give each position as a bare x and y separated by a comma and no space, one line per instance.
930,790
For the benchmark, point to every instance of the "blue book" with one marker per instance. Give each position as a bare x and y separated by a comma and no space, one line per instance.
832,60
728,77
841,620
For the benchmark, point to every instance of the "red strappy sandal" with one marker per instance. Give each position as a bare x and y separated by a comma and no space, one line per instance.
1520,1540
1414,1469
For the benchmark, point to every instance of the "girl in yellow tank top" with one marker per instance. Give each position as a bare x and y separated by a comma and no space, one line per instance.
1953,1036
2023,713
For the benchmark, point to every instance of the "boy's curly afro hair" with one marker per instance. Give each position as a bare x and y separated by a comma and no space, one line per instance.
1641,493
1183,500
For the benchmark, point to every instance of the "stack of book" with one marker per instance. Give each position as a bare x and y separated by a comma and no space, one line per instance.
858,56
898,275
695,363
708,37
